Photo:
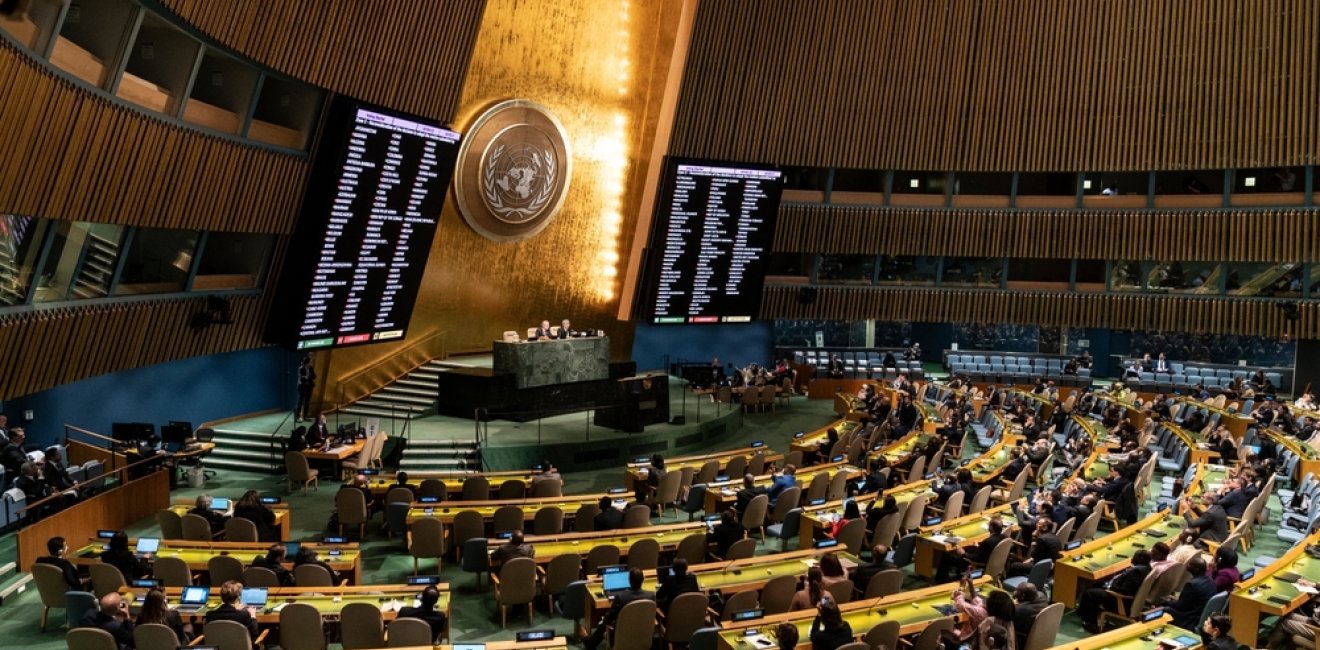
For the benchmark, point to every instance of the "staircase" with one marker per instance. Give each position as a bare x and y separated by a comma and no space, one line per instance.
440,456
409,397
97,268
249,451
11,290
12,583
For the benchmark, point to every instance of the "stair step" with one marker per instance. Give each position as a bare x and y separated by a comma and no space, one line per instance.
425,374
233,463
415,443
261,445
389,396
386,405
381,413
408,392
418,464
16,586
430,386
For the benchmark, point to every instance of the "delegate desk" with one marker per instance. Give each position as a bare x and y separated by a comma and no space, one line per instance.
569,504
724,494
810,442
900,451
1273,591
283,517
913,610
1308,459
987,467
336,455
558,361
197,554
1158,633
1105,556
381,485
962,532
329,601
636,472
1235,422
548,547
816,519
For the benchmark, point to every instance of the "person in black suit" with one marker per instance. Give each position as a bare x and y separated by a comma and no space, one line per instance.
56,473
542,333
1186,608
671,586
959,559
203,509
836,367
113,618
609,518
1211,525
1044,546
862,574
12,455
962,483
230,611
750,490
878,510
318,433
725,533
634,592
308,556
1098,599
34,489
1235,501
565,330
250,507
121,557
426,611
306,384
274,560
57,548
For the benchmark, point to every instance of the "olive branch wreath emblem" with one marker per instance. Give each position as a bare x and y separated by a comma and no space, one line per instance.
544,165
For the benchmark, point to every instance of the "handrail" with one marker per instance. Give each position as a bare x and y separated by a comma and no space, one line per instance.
274,440
351,379
89,433
107,475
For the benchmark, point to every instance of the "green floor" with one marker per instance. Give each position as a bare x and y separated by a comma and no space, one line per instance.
476,617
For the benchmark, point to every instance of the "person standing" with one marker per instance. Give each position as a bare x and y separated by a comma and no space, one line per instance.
306,384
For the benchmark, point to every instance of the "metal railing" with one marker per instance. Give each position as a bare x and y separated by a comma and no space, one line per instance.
361,383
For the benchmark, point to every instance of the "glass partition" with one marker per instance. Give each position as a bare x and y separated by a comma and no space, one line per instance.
1185,277
847,269
82,261
1264,279
1125,275
232,261
158,261
919,271
983,272
20,245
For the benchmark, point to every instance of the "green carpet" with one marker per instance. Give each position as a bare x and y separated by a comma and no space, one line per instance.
476,618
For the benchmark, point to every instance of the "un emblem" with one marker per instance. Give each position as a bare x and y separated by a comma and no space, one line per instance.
513,171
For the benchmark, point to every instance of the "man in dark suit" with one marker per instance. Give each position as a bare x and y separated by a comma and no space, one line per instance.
1044,546
959,559
1235,501
671,586
511,549
318,433
113,618
12,455
57,548
565,330
427,612
1126,583
725,533
1029,604
229,609
203,510
610,518
634,592
274,560
1186,609
963,483
750,490
836,367
1212,524
862,574
542,332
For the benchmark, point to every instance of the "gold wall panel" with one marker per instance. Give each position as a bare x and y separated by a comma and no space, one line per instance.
600,66
68,154
46,348
1027,85
1167,313
410,55
1282,235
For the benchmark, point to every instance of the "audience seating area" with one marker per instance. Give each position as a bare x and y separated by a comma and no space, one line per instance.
1008,368
858,363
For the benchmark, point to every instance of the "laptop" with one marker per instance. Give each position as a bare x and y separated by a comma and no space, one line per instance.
146,545
615,581
291,548
253,597
219,504
193,599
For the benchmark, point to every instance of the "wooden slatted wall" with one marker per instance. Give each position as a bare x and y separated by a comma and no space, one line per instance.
1027,85
410,55
47,348
66,153
1276,235
1169,313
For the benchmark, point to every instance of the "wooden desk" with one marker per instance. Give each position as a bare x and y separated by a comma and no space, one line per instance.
283,517
1138,636
810,442
446,511
815,519
636,472
381,485
914,610
1308,458
548,547
987,467
1236,423
1274,596
1105,556
196,554
963,532
336,455
724,494
900,451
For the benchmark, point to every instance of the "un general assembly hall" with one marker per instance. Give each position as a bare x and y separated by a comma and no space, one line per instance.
659,324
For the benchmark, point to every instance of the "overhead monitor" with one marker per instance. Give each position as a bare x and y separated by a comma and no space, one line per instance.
710,242
370,213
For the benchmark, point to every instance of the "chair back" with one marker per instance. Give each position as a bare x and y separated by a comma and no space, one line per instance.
1040,575
917,470
709,470
433,487
755,466
77,605
584,520
638,516
790,528
883,635
50,584
476,488
551,487
818,487
742,549
562,571
312,575
741,601
788,499
1142,595
1167,582
396,518
853,535
1045,628
635,627
929,639
517,581
667,491
838,487
1215,605
754,515
1066,530
736,468
886,530
915,511
196,528
904,550
777,594
227,635
301,628
953,507
468,524
507,518
475,555
841,591
549,520
599,556
692,548
751,397
171,524
428,539
399,494
1089,526
644,554
238,529
855,645
361,626
687,612
793,458
409,632
172,572
884,583
153,636
295,463
979,500
223,568
260,576
90,638
512,489
351,506
106,578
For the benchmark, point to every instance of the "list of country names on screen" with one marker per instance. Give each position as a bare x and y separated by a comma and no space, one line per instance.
718,230
381,221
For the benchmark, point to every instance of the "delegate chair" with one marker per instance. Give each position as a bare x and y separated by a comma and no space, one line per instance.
409,632
644,554
223,568
171,524
51,587
260,576
153,636
428,541
777,594
476,488
687,613
172,572
512,490
561,572
312,575
90,638
106,578
301,628
515,585
635,627
351,506
238,529
361,627
230,635
196,528
300,473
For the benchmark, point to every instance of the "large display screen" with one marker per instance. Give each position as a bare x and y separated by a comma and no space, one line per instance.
365,231
710,243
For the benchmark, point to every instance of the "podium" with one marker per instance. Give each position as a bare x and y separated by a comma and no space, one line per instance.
645,401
